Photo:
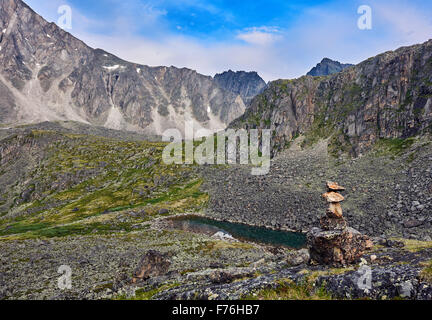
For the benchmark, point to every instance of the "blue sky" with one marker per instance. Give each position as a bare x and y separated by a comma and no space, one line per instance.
277,38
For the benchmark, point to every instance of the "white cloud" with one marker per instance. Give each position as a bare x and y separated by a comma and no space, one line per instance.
322,31
188,52
262,36
408,23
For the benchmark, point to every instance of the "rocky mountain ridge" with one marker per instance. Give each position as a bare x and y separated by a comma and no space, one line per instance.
327,67
246,84
385,97
46,74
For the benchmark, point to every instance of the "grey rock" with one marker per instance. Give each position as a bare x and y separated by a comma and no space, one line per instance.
245,84
405,289
412,223
298,257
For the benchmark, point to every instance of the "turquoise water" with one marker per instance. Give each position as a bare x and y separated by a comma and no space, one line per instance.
241,231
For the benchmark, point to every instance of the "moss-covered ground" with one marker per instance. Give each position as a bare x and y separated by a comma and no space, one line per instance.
84,184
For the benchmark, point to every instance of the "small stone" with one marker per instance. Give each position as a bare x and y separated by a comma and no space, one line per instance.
330,223
335,210
213,296
405,289
333,197
334,186
412,223
223,236
298,257
394,244
258,263
142,213
373,258
228,275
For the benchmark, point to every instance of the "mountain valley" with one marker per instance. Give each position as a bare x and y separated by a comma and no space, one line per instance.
83,182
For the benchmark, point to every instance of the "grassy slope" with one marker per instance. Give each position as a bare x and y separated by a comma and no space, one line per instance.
84,183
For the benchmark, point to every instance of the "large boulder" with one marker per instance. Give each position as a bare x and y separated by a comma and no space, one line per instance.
337,247
152,264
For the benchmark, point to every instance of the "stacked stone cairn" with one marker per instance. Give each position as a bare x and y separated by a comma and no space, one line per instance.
335,243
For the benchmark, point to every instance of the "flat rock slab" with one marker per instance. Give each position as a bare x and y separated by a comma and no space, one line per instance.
333,197
334,186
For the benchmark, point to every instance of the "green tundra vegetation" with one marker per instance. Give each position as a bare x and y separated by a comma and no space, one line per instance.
83,184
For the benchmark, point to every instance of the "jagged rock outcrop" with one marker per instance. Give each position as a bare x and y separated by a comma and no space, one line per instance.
387,96
246,84
327,67
335,243
47,74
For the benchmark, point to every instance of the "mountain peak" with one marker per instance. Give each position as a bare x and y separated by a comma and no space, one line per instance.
326,60
244,83
327,67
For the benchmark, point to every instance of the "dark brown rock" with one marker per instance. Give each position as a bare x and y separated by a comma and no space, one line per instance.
337,247
152,264
330,223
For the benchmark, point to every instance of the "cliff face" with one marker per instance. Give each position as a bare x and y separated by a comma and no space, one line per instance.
245,84
327,67
47,74
388,96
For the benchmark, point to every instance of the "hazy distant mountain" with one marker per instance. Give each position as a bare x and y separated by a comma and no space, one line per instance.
327,67
246,84
47,74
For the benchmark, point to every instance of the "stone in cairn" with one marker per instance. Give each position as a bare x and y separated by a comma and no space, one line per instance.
334,219
335,243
